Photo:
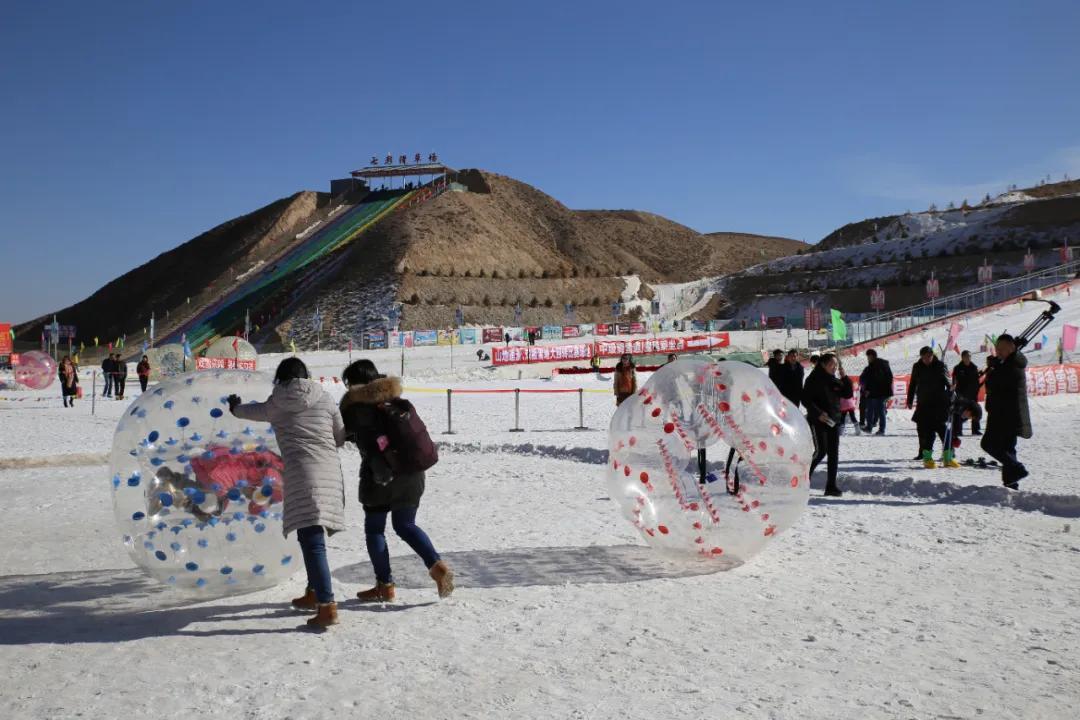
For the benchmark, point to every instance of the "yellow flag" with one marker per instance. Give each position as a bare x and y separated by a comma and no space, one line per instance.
95,342
292,344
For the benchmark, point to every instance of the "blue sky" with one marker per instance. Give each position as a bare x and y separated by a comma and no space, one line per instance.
129,128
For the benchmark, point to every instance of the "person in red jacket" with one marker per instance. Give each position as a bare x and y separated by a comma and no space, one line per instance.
143,370
625,379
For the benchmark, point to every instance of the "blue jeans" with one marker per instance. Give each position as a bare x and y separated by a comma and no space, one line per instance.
404,522
875,413
108,385
313,544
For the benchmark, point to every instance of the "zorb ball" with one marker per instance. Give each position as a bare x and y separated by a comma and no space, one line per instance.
168,361
235,348
36,370
197,492
681,502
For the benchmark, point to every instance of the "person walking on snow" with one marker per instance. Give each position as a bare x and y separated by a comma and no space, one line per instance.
1007,415
309,431
929,390
965,383
143,370
120,373
107,370
821,398
69,381
877,378
625,383
371,405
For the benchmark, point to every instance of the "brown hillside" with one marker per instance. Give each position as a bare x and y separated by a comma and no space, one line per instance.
515,228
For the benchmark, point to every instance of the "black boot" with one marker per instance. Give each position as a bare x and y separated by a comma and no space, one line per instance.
833,491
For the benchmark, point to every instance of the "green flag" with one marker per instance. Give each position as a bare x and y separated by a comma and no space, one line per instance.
839,327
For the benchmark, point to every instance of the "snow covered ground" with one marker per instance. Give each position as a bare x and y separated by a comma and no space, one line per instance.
919,594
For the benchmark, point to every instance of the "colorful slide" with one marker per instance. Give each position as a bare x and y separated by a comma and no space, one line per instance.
226,315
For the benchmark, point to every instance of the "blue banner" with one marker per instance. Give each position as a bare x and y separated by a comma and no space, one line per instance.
375,340
423,338
469,336
552,332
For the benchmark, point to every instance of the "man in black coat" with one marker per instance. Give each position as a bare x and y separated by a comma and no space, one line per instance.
929,389
792,378
1007,415
877,379
821,397
965,377
776,367
107,370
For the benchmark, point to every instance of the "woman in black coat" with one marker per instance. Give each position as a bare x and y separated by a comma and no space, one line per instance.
383,492
821,397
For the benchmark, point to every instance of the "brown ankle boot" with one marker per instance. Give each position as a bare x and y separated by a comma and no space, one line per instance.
326,616
382,592
307,601
443,576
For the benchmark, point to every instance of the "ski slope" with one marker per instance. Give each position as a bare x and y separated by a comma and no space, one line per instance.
976,327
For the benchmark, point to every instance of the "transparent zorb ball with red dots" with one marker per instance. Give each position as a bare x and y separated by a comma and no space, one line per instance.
668,461
35,370
197,492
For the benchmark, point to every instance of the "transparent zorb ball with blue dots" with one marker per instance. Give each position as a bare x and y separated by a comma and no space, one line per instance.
197,492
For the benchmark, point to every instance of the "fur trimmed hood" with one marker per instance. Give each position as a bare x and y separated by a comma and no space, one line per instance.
375,392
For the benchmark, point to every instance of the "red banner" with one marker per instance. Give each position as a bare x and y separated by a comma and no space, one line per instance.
494,335
571,331
5,339
637,328
205,363
539,354
602,329
663,345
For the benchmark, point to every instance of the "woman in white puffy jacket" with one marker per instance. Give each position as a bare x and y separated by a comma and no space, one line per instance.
309,431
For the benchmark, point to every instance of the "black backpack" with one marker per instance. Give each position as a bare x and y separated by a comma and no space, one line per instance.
411,449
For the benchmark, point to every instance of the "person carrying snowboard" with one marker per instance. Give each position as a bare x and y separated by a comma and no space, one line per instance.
395,451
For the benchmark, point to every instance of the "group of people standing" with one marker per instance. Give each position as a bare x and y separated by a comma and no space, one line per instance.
395,452
938,397
114,370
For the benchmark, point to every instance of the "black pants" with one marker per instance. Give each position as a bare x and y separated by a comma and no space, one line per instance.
143,379
848,414
118,385
958,426
826,443
1002,447
927,431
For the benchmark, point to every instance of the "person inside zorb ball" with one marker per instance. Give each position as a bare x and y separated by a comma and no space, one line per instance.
667,450
197,492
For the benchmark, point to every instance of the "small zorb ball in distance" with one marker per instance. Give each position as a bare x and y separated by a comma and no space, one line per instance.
36,370
685,510
197,492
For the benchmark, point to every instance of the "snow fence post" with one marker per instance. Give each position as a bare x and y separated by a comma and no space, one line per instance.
581,409
449,408
93,390
517,411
